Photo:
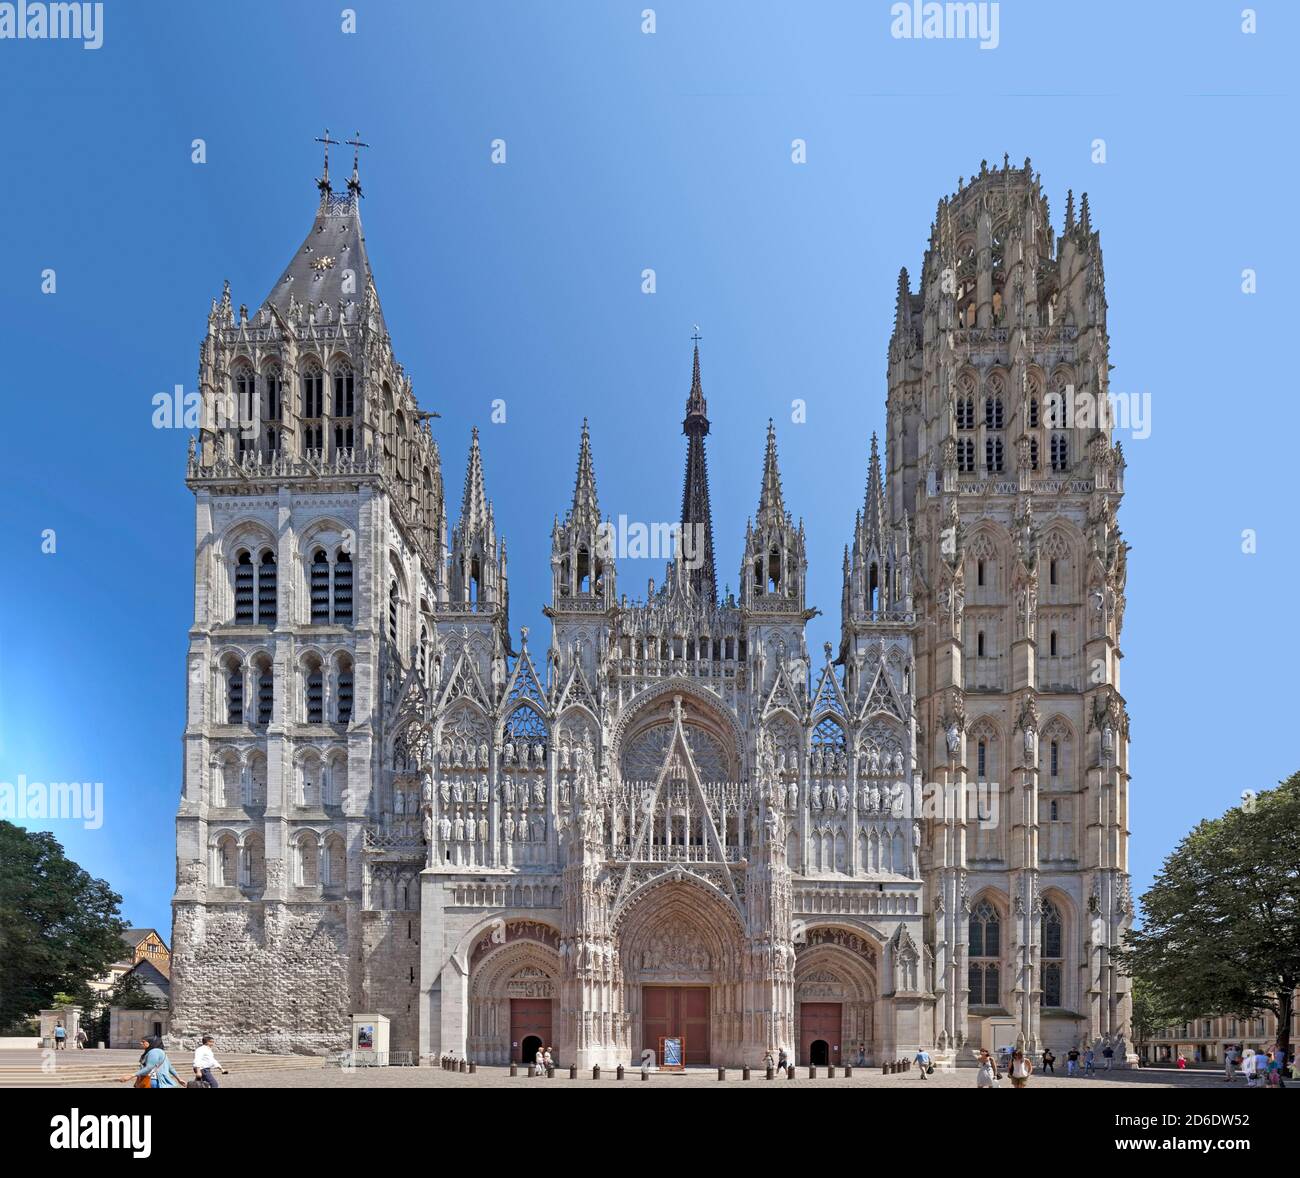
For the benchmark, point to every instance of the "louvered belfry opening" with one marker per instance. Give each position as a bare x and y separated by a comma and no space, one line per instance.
266,590
343,590
320,588
244,589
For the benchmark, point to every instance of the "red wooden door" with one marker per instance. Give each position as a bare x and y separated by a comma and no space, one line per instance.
820,1022
677,1012
529,1018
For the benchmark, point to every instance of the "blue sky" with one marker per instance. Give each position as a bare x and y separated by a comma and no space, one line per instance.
522,282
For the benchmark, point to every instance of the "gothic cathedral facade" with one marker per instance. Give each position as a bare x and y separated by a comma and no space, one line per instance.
674,821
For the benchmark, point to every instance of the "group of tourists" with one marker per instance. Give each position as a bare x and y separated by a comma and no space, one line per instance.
61,1037
156,1070
543,1062
1262,1069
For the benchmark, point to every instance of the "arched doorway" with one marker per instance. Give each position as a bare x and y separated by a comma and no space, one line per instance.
529,1046
680,950
819,1054
836,997
513,987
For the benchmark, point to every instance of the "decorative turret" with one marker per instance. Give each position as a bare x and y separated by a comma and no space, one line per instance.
775,566
582,560
477,573
877,572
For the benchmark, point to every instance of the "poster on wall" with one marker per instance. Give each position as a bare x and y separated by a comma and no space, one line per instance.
365,1038
673,1054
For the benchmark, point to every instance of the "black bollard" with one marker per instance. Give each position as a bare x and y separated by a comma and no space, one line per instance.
473,1067
812,1072
771,1072
595,1071
645,1073
462,1066
744,1072
789,1072
573,1071
722,1073
848,1071
514,1068
830,1072
619,1074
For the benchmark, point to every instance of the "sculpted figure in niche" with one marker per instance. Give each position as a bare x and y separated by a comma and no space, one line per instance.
953,736
792,800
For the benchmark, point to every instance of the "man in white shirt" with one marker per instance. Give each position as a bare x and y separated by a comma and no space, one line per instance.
206,1064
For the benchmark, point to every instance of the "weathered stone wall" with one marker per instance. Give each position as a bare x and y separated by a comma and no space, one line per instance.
390,947
263,976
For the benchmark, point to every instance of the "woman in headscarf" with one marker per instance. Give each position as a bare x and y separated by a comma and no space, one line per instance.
155,1068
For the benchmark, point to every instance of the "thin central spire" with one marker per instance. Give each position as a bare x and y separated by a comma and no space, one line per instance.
697,515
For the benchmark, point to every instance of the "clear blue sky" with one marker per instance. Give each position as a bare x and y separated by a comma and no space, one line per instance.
522,282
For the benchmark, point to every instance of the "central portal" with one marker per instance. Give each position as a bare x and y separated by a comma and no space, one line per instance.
677,1012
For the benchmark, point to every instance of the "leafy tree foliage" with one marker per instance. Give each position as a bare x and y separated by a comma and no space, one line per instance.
1221,923
59,927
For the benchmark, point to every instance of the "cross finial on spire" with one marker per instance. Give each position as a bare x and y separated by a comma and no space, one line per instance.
354,183
324,182
695,334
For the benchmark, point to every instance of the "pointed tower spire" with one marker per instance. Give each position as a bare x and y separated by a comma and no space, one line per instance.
903,304
874,515
474,508
771,505
586,508
697,515
1069,210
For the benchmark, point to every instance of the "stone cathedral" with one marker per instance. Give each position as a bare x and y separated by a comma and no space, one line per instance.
673,820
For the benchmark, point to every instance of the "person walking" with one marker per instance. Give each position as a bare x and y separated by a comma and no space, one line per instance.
1021,1069
922,1061
1108,1054
548,1061
539,1063
1090,1062
988,1072
782,1060
1229,1062
1072,1062
1182,1061
81,1038
1049,1061
1248,1066
206,1064
155,1069
60,1037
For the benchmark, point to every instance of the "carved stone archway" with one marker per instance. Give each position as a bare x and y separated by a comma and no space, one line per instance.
521,967
680,935
841,966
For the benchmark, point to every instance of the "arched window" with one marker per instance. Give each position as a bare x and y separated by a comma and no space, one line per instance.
985,954
343,589
979,644
392,612
345,691
244,608
315,695
1051,571
320,588
424,653
966,456
234,693
1051,643
266,590
993,454
256,780
253,863
265,690
525,726
982,753
1060,452
225,862
774,571
313,410
1056,758
829,740
307,873
993,413
965,412
246,407
979,572
344,407
1053,964
334,866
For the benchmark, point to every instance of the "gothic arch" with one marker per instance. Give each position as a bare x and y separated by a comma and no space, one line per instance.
684,890
831,970
523,969
642,713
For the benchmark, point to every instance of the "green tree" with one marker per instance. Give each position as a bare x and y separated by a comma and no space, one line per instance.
1221,923
59,927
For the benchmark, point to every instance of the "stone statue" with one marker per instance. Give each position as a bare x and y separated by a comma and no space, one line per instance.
953,736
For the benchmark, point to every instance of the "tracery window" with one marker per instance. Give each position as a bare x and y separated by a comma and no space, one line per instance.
966,456
1060,452
1053,962
985,955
